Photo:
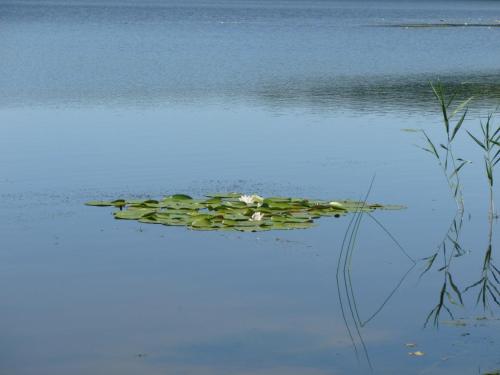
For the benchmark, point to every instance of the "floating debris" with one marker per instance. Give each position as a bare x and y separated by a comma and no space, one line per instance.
455,322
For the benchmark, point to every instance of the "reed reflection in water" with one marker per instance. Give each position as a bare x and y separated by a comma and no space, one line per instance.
351,315
450,293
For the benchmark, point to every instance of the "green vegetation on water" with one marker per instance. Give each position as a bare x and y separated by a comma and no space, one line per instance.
234,211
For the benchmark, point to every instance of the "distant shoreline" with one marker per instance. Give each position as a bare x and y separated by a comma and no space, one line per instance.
430,25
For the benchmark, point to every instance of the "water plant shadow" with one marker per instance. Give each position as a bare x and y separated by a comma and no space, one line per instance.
450,294
345,291
489,281
447,250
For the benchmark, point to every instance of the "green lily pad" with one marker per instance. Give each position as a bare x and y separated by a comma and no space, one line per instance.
179,197
99,203
115,203
201,222
291,219
225,195
133,214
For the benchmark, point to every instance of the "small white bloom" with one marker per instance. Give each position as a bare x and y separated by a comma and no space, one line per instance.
250,199
246,199
257,216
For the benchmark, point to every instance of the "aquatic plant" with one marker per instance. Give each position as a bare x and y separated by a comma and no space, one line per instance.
450,248
234,211
449,163
490,144
250,199
257,216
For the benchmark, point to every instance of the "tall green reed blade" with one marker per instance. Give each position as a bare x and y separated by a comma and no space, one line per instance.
448,162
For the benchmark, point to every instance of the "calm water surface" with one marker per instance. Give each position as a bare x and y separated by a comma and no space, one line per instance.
306,98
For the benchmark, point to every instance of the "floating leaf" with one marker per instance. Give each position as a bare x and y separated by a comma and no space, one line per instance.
225,195
99,203
180,197
134,214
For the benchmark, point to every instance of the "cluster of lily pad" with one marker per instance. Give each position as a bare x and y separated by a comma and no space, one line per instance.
233,211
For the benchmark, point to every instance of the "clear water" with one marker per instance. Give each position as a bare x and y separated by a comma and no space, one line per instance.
304,98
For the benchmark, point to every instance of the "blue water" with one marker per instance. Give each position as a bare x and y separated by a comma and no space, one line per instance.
306,98
255,52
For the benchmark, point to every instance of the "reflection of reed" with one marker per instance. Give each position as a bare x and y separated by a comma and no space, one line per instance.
347,298
450,294
447,250
490,277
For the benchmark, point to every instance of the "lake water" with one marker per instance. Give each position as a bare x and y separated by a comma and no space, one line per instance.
107,99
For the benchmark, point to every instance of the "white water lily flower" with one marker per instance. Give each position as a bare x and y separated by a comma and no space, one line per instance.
250,199
246,199
257,216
